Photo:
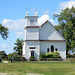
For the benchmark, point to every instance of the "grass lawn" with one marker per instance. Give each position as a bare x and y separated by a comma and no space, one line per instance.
39,68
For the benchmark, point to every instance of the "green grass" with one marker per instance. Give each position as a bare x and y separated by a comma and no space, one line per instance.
40,68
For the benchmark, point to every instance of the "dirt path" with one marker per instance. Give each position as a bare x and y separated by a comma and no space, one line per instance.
23,74
7,74
33,74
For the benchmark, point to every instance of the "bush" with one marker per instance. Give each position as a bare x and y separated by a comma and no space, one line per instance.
69,56
23,58
17,58
12,54
73,56
54,54
49,55
42,55
32,58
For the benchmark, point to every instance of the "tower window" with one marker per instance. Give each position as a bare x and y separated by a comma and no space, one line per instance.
47,50
31,22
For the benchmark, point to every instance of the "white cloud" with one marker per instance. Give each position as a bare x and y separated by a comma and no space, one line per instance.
18,25
65,4
3,46
45,12
44,18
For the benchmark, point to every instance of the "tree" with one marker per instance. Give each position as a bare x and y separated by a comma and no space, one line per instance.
2,53
4,32
18,47
66,26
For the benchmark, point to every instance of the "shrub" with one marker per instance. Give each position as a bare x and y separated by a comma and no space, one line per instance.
54,54
49,55
32,58
42,55
73,55
17,58
12,54
69,56
24,59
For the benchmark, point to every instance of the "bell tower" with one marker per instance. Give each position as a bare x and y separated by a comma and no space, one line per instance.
31,20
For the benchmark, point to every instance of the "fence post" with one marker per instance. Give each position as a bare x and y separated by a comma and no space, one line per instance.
71,60
59,60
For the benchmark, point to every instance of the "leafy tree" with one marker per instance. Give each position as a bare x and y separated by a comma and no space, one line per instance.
4,32
66,26
12,54
2,53
18,47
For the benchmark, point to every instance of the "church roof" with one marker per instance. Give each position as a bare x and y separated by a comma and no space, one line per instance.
32,26
41,27
49,40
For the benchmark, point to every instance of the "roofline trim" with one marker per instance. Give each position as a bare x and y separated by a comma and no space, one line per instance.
49,40
31,16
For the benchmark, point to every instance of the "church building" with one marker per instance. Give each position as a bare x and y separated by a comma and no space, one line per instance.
42,39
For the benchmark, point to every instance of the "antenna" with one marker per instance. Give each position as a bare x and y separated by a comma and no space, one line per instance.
36,13
35,9
26,9
26,12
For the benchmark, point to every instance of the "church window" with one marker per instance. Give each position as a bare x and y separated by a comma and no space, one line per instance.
56,49
31,47
47,50
31,22
52,48
32,53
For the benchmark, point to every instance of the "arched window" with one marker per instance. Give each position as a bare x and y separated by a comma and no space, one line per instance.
47,50
32,53
52,48
56,49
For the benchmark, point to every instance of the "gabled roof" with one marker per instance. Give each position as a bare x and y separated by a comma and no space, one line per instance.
53,27
43,25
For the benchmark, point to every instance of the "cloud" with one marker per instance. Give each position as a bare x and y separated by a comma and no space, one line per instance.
45,12
44,18
18,25
65,4
6,48
3,46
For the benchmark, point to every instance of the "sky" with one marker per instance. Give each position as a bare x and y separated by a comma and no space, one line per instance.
12,15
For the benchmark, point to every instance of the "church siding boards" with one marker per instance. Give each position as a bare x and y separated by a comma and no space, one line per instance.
42,38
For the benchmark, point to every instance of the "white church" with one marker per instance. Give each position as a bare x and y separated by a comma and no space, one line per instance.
42,39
